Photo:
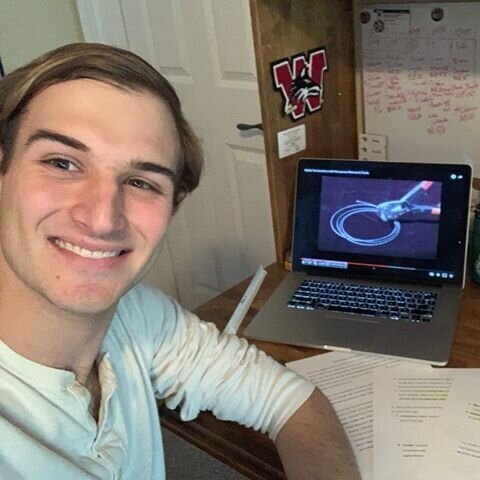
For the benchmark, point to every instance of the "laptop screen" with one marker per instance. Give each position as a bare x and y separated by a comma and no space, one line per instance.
382,219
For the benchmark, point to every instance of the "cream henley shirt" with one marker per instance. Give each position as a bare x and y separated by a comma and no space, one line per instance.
153,349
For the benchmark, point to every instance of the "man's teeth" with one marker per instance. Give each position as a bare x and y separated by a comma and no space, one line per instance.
83,252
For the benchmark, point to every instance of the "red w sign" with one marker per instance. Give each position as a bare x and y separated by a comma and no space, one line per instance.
301,82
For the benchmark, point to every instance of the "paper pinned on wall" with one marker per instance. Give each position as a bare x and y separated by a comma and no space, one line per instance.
372,147
391,20
290,141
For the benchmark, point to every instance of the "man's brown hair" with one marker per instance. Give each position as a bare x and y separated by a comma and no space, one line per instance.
107,64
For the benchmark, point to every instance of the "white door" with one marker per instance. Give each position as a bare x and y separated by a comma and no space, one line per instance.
205,48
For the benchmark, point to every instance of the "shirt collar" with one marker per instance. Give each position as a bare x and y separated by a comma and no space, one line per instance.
36,373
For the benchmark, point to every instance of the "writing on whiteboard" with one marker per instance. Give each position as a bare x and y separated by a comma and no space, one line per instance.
426,76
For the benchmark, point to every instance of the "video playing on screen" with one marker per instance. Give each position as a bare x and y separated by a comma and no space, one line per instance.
397,218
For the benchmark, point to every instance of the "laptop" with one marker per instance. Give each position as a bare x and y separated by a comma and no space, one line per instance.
378,260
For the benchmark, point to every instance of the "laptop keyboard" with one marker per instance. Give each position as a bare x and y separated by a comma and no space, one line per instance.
394,303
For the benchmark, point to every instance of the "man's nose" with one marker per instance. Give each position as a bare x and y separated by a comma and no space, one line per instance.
99,209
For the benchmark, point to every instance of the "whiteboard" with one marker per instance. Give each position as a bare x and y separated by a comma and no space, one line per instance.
420,81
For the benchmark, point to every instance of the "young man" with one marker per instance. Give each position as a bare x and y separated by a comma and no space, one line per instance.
95,158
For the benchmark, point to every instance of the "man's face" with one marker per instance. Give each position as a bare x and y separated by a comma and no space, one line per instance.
88,194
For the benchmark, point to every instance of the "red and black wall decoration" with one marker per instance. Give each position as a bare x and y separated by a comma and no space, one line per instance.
300,81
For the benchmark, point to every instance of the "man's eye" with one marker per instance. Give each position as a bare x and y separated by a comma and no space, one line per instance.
141,184
62,164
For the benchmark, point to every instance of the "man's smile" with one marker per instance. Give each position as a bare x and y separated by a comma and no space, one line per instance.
86,253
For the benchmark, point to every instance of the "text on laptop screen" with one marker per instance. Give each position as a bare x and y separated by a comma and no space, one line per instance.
382,219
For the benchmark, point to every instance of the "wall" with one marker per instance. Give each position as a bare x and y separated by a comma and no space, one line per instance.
29,28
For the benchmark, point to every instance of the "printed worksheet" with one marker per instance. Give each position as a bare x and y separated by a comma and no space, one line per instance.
454,451
407,406
347,381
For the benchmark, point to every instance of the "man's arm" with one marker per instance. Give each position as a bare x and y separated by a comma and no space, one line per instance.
313,445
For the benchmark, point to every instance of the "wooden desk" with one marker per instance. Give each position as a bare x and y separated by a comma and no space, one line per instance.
252,453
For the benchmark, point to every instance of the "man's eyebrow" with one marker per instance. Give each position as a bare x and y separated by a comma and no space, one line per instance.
154,168
57,137
78,145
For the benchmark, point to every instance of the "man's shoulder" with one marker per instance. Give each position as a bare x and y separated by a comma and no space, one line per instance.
143,310
143,318
147,316
143,295
146,303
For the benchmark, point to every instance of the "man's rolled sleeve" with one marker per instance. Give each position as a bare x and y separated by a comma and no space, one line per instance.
197,368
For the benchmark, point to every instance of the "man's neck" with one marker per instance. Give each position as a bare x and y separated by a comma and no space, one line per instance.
34,328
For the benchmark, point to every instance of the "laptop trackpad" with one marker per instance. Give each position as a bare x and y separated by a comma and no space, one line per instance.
354,332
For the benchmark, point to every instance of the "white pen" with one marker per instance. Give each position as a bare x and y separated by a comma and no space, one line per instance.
242,308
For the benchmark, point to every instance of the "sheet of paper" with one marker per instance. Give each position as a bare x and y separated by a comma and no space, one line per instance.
454,451
292,140
372,147
347,381
407,405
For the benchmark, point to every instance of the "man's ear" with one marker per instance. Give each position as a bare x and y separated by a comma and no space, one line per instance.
178,199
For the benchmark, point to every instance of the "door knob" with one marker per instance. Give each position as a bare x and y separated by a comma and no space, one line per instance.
246,126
